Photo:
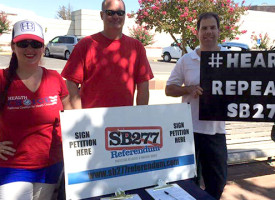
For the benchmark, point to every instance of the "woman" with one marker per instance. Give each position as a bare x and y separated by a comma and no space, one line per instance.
30,135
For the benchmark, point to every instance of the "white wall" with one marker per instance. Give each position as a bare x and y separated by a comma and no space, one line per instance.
258,22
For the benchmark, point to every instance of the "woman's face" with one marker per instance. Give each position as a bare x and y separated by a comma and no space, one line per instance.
28,52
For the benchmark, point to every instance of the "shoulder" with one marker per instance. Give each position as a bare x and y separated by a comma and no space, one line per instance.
86,40
3,74
49,73
132,40
89,41
189,57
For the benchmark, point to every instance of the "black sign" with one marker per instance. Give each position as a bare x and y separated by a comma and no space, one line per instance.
237,86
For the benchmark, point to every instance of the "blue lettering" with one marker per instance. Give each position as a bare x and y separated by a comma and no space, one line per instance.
40,101
114,154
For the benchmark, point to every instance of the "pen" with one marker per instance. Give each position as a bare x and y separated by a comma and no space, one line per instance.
170,195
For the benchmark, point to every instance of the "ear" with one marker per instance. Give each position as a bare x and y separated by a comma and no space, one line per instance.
101,14
12,47
197,35
43,49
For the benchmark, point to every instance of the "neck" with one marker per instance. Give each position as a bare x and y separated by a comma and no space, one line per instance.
112,35
25,72
202,48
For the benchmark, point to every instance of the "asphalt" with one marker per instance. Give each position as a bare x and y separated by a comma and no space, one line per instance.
248,181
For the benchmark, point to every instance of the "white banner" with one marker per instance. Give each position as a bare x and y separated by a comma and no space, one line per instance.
126,147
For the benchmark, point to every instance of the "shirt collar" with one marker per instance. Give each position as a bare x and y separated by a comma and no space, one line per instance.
194,55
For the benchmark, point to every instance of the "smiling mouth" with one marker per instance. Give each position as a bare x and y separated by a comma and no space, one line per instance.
29,56
208,38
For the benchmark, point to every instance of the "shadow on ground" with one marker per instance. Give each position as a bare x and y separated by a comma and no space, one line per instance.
250,181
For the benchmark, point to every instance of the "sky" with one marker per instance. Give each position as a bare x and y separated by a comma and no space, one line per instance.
48,8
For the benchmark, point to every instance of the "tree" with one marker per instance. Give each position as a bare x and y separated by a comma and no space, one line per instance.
4,23
262,41
65,12
142,34
180,17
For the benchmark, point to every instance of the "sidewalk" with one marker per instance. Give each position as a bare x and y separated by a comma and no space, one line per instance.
251,181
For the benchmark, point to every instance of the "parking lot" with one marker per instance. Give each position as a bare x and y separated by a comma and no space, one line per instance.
158,66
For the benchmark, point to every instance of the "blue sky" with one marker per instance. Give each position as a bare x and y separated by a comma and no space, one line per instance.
48,8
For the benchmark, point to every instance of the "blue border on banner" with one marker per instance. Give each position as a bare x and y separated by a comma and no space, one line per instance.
130,169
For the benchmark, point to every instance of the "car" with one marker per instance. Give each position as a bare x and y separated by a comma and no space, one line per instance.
235,46
61,46
174,52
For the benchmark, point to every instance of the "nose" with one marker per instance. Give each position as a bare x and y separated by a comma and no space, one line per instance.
208,30
115,15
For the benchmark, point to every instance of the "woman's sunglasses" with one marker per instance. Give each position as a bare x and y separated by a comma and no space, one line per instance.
25,43
112,12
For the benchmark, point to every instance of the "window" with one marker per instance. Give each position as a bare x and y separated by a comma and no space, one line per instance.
69,40
55,40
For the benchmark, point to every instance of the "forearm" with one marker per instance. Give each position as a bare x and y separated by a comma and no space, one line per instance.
66,103
142,93
75,99
177,91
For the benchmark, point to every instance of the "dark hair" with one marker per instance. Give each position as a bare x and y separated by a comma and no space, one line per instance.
9,78
208,15
104,1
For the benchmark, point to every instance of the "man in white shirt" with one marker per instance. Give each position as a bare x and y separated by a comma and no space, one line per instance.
209,136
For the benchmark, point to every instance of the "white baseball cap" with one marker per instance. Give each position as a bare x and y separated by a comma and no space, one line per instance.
27,30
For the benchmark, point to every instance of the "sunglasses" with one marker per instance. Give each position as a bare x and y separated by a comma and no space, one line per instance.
34,44
112,12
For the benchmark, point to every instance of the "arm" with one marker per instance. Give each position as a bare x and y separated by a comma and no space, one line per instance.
66,103
75,99
142,93
177,91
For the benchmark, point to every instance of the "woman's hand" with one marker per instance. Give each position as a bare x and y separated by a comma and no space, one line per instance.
5,150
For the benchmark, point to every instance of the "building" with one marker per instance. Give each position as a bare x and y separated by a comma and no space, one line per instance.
86,22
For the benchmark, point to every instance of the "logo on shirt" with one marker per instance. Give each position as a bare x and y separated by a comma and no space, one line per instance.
27,102
22,102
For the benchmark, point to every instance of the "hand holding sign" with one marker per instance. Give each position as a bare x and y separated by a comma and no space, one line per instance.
194,90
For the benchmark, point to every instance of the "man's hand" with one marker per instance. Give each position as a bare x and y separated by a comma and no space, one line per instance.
194,90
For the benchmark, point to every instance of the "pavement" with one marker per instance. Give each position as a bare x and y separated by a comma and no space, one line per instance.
248,181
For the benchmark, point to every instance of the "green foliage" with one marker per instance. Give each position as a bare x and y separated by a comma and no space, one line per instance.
265,41
180,17
142,34
4,23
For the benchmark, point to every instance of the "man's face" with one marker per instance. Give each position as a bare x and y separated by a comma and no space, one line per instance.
208,33
113,21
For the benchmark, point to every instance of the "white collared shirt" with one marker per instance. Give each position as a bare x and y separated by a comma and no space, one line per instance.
187,72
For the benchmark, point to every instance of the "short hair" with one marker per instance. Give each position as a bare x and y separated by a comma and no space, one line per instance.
104,1
208,15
